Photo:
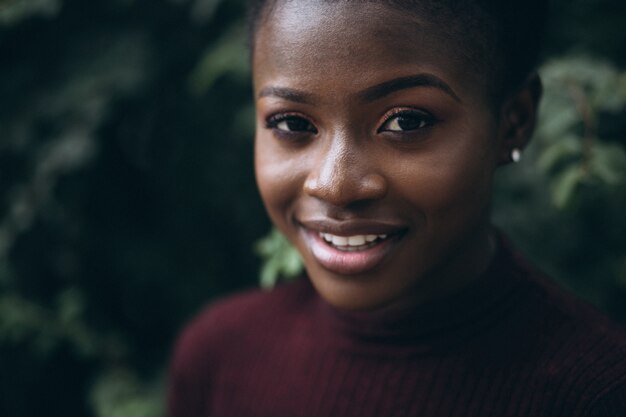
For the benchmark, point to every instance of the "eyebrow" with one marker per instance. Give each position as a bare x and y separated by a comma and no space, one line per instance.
420,80
373,93
287,93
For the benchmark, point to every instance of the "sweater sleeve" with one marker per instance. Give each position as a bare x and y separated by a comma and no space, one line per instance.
612,404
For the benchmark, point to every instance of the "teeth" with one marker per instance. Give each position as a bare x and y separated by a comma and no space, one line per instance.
370,238
356,240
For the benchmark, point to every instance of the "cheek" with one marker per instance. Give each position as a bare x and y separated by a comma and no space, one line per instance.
465,192
461,182
456,178
279,177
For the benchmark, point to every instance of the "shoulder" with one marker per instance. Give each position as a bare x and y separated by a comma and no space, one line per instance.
564,317
578,351
545,307
224,334
587,352
239,320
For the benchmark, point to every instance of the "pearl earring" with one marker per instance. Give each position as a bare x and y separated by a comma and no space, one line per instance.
516,155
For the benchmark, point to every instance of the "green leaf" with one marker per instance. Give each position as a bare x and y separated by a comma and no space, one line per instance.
608,163
567,147
13,11
119,393
280,259
204,10
70,306
557,119
564,185
229,55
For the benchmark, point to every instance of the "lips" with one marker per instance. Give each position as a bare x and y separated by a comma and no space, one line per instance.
351,247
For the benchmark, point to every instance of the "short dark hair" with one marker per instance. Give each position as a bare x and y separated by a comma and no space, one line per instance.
502,39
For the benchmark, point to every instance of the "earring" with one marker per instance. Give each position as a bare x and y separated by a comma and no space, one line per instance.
516,155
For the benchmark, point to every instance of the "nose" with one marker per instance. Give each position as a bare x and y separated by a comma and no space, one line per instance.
343,175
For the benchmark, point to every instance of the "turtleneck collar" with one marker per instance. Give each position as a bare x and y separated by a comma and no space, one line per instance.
421,327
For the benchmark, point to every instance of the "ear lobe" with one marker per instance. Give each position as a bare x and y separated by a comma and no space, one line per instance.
518,118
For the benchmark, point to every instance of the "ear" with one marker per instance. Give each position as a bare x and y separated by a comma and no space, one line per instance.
518,118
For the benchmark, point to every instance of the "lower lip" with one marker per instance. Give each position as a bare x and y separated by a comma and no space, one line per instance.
348,263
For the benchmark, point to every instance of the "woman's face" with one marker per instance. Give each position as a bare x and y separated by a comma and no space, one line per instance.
374,151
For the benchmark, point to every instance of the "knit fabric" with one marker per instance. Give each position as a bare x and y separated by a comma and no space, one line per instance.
513,344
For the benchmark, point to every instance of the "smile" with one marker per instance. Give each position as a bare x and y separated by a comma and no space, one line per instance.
352,243
351,248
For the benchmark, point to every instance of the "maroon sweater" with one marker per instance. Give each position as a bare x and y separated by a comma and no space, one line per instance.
511,345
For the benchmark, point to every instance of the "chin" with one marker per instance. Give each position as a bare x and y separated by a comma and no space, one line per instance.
352,293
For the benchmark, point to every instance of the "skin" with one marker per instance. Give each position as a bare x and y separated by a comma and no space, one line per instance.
333,156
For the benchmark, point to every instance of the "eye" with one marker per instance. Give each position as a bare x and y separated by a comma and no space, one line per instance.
406,121
290,123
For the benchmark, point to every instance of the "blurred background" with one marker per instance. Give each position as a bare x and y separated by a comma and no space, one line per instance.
127,197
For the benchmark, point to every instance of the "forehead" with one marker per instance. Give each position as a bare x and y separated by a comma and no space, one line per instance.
350,44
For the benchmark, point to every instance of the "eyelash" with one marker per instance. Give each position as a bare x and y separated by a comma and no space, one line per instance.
425,120
272,122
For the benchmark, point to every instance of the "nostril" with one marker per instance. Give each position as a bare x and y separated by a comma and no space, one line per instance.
345,174
342,190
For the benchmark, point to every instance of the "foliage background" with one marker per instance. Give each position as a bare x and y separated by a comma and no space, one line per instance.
127,199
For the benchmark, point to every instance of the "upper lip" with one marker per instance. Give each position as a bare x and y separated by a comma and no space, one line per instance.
352,227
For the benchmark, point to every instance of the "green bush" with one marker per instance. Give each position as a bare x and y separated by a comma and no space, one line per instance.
128,199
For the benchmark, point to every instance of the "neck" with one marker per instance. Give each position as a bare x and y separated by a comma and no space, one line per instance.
435,317
469,262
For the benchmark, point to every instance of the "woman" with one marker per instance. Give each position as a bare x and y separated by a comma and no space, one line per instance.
380,125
